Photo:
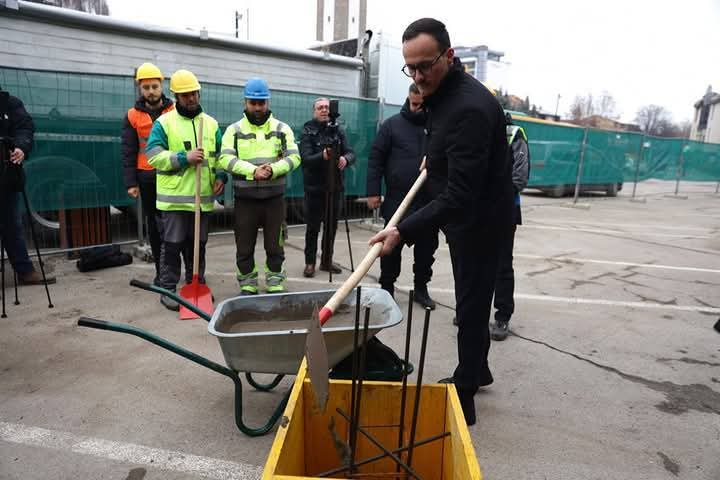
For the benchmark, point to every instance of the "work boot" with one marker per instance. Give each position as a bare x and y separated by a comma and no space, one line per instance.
390,288
422,297
334,268
34,278
499,330
309,271
170,303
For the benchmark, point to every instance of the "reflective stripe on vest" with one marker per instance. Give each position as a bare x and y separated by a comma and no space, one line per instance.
142,123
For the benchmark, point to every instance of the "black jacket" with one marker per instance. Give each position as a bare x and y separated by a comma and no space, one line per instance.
18,130
314,137
396,156
18,126
130,142
469,168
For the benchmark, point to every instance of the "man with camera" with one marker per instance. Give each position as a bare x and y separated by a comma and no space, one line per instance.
259,151
395,157
323,141
16,132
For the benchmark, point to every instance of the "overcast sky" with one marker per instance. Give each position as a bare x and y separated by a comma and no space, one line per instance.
640,51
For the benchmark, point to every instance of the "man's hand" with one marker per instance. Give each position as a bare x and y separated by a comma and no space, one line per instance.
17,156
218,187
342,163
374,202
327,153
390,237
263,172
195,157
133,192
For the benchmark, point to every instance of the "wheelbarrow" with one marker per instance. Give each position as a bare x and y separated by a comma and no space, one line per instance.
266,334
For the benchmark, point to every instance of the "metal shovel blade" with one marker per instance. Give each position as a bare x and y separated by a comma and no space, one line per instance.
199,295
317,362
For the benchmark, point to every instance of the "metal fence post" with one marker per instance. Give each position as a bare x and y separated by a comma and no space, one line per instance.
580,166
640,158
681,164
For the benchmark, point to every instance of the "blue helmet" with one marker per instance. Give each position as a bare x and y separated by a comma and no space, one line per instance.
257,89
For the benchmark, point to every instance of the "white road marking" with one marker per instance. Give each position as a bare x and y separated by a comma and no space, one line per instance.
611,262
614,232
629,225
128,453
585,260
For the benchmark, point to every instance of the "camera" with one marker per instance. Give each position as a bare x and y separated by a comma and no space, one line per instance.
334,111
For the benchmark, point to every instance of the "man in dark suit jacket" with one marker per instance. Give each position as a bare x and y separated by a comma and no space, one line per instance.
469,181
395,157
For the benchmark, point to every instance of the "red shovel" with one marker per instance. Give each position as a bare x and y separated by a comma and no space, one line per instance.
195,292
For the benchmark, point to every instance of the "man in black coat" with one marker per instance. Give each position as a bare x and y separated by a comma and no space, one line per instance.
396,156
469,181
315,153
17,131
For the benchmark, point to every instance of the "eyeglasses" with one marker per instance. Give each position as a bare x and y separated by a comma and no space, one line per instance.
422,67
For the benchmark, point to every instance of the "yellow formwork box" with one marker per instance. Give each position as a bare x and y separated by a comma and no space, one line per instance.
309,442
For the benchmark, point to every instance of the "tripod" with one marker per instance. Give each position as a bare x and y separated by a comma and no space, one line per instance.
330,220
2,259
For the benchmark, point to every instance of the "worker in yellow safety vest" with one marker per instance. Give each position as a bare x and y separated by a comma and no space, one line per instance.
259,151
174,152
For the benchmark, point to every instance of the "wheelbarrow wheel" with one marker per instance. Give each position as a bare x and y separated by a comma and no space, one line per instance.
263,387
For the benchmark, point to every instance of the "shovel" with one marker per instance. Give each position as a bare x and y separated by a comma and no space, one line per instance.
195,292
315,349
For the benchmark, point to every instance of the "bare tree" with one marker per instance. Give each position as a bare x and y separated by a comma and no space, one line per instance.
653,119
97,7
586,106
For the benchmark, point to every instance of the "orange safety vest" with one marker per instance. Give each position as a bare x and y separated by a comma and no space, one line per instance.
142,123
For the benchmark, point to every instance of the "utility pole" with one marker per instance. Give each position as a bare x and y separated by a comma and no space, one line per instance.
557,105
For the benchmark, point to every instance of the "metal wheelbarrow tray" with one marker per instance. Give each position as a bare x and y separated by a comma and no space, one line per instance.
266,334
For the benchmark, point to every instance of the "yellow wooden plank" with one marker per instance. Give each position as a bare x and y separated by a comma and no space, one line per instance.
459,459
288,439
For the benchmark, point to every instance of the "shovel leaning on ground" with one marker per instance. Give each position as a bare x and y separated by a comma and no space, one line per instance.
315,349
197,293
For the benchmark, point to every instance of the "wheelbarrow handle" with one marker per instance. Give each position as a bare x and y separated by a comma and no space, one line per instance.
94,323
162,291
354,279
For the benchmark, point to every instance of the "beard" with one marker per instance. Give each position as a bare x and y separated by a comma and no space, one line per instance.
153,101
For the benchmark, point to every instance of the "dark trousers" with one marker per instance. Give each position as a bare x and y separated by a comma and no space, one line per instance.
505,281
250,215
178,228
11,231
314,210
474,260
148,197
423,259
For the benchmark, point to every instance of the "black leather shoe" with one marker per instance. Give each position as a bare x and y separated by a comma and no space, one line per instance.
455,321
446,380
309,271
499,330
422,297
335,268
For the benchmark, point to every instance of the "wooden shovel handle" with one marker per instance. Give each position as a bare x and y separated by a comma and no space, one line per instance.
327,311
198,171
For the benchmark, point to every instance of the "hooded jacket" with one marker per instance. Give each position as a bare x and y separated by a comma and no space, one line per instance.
396,156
